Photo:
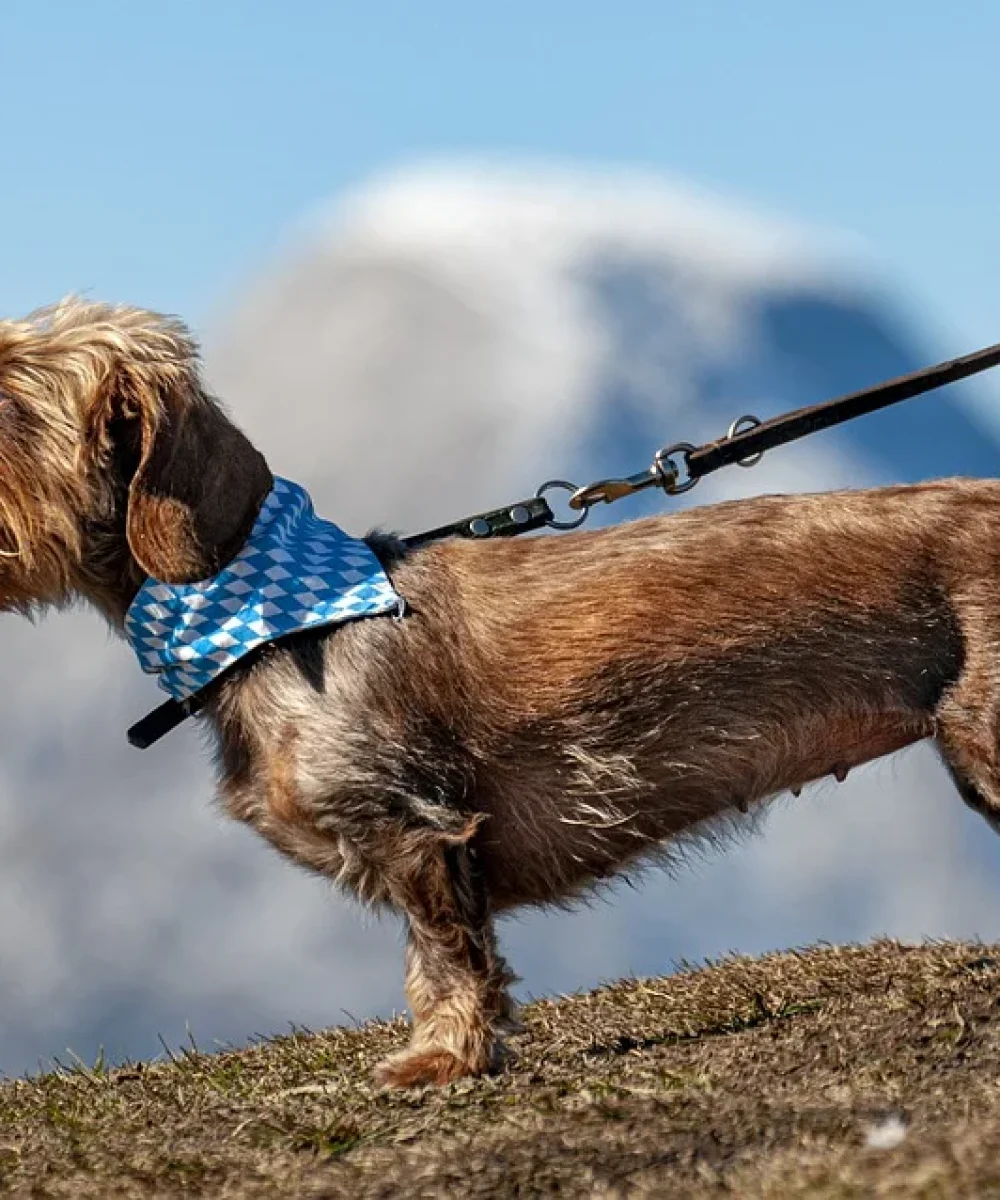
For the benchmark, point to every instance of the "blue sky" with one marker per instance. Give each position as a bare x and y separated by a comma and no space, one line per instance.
157,152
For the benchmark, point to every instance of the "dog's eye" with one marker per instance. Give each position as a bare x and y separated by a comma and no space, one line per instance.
10,406
19,426
8,401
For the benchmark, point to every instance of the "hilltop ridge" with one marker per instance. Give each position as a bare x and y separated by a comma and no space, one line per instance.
833,1071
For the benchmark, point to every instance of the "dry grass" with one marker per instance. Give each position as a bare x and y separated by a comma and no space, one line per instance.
748,1078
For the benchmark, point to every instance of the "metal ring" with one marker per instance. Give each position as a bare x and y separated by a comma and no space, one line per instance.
665,455
748,421
566,486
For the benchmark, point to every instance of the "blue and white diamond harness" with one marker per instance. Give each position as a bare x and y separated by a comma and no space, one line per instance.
295,572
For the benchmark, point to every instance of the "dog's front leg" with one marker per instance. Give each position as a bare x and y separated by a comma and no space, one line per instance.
455,980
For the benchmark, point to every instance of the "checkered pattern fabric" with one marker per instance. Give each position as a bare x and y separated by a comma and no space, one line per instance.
295,572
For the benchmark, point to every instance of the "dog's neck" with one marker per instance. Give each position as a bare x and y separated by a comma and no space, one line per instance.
109,577
294,572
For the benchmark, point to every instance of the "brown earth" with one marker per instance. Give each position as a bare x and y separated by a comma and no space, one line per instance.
834,1072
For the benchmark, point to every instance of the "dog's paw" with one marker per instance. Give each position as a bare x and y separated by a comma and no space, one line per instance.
510,1024
421,1064
507,1016
414,1068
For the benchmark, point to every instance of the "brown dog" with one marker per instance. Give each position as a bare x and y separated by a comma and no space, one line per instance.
551,710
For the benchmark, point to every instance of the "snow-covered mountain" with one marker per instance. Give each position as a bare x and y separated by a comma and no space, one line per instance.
439,342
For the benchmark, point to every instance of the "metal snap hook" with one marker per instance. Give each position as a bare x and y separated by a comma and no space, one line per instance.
666,468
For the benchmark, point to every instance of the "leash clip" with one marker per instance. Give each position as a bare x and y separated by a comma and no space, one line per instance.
607,491
663,472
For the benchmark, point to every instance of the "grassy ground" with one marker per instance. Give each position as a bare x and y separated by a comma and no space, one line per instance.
871,1071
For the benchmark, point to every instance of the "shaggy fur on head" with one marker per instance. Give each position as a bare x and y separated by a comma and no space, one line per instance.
551,710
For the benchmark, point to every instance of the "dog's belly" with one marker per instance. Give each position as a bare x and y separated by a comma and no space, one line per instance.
849,744
542,842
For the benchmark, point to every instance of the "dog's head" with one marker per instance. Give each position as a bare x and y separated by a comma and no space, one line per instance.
115,463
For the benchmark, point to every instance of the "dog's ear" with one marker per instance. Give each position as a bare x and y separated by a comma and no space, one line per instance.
195,495
198,483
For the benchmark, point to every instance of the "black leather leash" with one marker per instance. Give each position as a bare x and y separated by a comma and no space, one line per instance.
802,421
744,445
748,437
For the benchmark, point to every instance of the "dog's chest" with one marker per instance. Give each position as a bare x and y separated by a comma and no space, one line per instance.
272,792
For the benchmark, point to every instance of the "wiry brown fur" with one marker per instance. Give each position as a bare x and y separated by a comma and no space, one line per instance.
551,710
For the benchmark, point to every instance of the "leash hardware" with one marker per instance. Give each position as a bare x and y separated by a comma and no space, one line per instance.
522,517
743,425
562,485
662,473
666,468
607,491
